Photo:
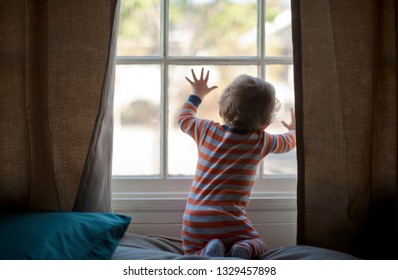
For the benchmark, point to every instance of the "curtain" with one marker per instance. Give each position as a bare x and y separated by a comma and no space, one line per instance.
56,73
345,69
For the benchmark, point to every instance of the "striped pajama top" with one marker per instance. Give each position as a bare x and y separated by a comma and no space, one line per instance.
225,172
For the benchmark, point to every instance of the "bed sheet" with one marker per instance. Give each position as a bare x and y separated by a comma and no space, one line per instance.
139,247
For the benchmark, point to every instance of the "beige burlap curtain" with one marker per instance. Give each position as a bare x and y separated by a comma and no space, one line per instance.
346,103
56,67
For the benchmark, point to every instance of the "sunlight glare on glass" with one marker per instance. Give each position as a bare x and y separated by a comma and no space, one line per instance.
281,76
136,147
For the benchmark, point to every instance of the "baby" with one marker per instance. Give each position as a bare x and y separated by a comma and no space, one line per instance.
215,222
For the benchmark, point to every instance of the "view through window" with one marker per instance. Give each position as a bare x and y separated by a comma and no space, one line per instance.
159,42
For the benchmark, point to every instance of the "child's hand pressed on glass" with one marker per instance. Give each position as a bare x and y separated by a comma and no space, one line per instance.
292,124
199,86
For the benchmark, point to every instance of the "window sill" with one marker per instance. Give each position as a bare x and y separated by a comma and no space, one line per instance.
154,193
181,185
169,201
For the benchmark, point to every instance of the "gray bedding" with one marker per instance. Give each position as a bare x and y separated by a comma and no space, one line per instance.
139,247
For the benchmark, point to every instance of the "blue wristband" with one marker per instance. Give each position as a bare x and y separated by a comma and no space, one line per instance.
195,100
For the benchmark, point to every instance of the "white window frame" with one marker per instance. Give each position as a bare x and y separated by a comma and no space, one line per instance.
166,187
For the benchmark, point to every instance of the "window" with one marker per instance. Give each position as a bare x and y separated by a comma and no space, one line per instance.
159,42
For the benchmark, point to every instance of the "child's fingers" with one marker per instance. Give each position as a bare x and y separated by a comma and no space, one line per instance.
212,88
207,76
293,117
193,75
189,81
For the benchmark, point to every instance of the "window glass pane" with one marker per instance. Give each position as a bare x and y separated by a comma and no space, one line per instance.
278,28
182,149
213,27
281,76
139,28
136,142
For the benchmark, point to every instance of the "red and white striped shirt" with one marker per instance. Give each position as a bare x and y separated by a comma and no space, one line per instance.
225,172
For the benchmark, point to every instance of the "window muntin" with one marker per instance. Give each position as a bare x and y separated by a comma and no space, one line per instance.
151,151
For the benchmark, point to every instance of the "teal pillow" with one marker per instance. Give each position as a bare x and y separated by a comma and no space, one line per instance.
60,235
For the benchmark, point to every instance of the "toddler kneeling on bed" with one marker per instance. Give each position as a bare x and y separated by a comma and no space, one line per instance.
215,222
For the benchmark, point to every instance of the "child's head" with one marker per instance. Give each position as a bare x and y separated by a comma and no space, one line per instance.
248,103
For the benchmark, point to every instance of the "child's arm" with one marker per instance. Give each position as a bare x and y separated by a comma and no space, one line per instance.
186,118
281,143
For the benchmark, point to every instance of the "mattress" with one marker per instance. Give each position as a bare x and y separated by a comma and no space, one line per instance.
140,247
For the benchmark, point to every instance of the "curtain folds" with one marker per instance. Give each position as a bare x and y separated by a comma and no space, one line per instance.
346,105
56,73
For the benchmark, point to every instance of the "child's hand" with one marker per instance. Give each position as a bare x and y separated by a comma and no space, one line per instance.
200,88
292,124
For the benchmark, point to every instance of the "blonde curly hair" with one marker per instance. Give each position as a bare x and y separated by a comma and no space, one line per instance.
248,103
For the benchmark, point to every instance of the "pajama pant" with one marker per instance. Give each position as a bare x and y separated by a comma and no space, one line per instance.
231,230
